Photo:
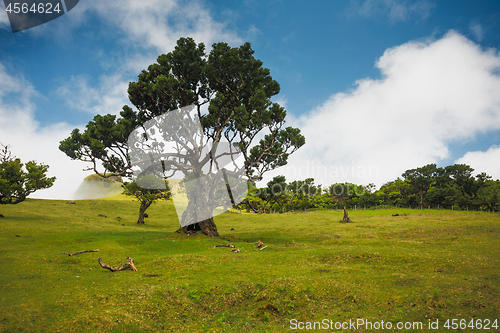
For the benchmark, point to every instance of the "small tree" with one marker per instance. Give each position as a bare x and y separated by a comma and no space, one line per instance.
18,180
5,153
145,196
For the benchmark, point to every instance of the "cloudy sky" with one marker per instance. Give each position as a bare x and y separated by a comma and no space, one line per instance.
377,86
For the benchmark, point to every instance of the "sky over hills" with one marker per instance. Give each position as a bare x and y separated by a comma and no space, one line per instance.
377,86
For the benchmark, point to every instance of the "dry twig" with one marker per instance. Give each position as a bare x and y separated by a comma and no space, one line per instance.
74,254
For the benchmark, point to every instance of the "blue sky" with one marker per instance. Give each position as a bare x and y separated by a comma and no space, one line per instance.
377,86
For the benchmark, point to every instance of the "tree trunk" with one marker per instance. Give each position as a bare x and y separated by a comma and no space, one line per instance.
194,212
142,210
346,218
207,227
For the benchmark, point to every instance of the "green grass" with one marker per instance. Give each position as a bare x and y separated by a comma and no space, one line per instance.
424,266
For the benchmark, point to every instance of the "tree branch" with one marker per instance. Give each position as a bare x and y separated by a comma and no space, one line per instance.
127,265
74,254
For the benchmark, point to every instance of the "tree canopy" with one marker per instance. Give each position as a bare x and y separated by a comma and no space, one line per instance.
146,196
18,180
237,89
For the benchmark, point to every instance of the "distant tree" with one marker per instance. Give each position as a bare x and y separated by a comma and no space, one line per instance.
454,198
273,195
321,198
18,180
421,179
486,187
343,193
253,201
5,153
462,177
146,197
488,196
275,192
301,189
368,197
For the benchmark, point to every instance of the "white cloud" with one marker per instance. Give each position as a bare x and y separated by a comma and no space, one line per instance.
431,93
483,161
476,30
153,27
252,33
108,96
281,100
395,10
29,141
160,23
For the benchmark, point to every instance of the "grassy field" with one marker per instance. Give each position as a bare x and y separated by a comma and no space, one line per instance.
421,266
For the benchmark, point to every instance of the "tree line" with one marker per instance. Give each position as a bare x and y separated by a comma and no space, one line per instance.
451,187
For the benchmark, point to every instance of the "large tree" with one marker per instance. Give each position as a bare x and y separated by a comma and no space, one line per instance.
18,180
233,84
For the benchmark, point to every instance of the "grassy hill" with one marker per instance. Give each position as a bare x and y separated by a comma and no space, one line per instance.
94,186
422,265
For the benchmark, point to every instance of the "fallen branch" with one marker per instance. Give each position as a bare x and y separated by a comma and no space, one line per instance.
127,265
264,247
224,245
74,254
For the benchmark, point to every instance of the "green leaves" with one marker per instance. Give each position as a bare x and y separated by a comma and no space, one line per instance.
421,179
146,196
16,182
274,149
237,89
105,140
452,185
176,80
